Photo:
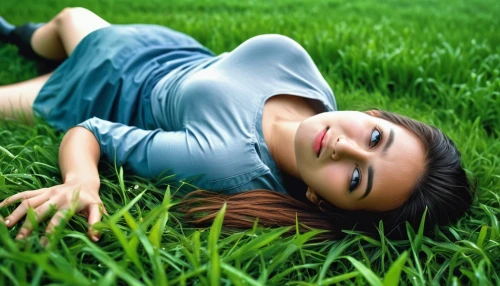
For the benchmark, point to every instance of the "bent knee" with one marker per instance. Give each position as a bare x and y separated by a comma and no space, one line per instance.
70,14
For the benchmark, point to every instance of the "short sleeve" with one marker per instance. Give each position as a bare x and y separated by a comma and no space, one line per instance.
147,153
276,64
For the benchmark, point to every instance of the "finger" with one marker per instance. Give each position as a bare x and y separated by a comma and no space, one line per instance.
95,215
54,222
41,213
20,196
104,209
22,209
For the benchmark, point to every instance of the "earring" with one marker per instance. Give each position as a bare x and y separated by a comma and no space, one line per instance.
321,207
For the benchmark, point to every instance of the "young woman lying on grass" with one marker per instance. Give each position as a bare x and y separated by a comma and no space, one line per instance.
256,127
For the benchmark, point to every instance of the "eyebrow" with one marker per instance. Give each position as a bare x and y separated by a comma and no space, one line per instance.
389,142
370,182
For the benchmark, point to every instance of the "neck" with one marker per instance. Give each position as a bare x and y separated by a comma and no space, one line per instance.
281,119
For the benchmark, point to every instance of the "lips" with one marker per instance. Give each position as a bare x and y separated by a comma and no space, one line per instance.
318,142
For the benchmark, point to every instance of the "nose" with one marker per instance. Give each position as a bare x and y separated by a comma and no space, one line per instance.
344,148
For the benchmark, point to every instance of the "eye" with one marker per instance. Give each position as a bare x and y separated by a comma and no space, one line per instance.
375,137
355,179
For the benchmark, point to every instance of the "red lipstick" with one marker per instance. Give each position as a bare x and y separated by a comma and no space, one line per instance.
318,142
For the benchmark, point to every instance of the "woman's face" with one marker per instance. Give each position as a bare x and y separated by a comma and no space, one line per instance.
357,161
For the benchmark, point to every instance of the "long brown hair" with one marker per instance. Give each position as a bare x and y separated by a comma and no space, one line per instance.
443,189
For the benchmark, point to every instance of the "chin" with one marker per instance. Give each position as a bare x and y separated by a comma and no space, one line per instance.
302,144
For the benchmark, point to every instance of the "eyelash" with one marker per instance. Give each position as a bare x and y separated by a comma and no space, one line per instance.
381,134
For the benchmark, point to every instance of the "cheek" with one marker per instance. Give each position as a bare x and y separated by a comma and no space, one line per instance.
353,129
337,191
329,181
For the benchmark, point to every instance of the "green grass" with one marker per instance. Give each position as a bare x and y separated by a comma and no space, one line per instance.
436,61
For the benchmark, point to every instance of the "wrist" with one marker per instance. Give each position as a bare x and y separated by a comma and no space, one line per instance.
85,180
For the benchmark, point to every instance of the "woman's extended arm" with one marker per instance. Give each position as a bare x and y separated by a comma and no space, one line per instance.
147,153
79,155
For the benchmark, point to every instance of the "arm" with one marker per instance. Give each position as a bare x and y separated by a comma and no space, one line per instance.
79,156
147,153
78,159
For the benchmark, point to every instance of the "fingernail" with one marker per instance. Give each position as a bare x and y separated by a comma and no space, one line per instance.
7,221
95,238
20,236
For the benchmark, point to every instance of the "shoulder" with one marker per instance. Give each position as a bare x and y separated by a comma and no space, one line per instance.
272,47
275,40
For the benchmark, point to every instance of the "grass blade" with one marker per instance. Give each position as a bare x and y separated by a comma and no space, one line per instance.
392,276
370,277
213,238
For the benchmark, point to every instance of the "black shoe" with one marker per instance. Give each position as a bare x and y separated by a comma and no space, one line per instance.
21,37
6,29
4,39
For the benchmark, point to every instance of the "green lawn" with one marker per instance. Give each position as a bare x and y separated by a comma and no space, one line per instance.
436,61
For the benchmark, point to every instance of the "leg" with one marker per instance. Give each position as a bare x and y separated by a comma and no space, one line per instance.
58,38
54,40
16,100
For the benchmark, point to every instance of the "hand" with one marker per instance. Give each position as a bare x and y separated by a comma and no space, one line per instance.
60,199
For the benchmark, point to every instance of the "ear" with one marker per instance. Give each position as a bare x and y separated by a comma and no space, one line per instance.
373,112
312,196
